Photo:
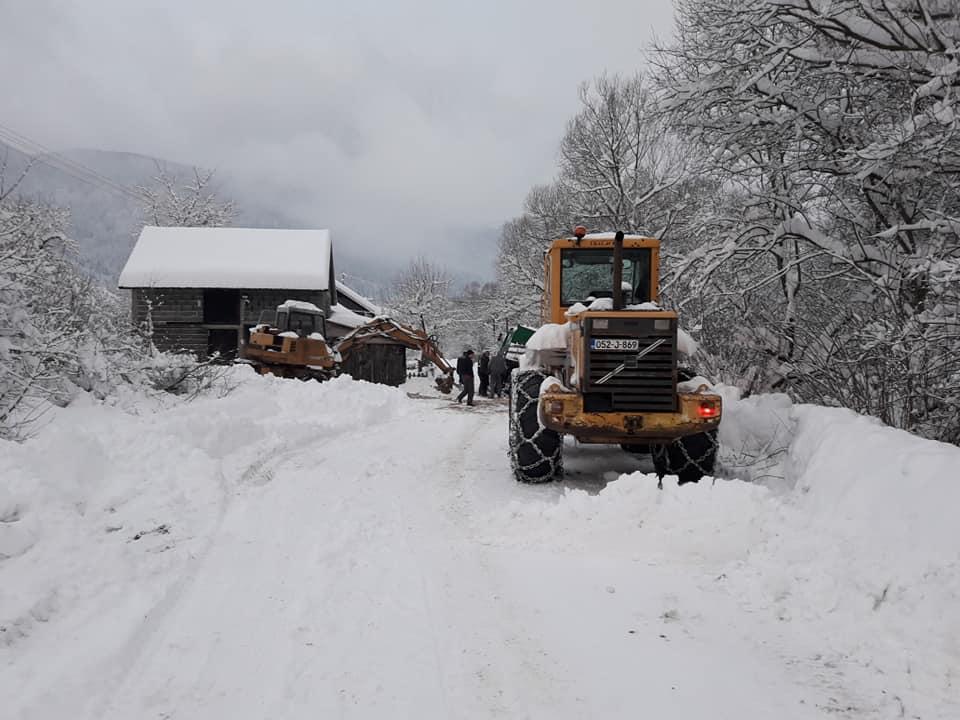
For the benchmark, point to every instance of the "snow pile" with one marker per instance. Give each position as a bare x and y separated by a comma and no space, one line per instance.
852,535
685,342
711,524
868,549
106,507
550,337
755,436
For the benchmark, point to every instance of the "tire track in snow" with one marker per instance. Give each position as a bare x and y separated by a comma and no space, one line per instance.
175,664
501,670
139,643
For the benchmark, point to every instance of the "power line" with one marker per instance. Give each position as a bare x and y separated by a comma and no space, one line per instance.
54,159
69,167
73,168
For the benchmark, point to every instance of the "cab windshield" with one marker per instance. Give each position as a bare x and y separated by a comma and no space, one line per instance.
587,274
301,323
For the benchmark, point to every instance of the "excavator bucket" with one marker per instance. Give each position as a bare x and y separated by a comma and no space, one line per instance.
445,383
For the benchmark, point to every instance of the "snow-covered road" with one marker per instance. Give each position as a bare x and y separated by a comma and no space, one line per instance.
342,550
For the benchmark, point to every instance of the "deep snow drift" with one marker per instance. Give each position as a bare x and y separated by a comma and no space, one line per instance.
340,549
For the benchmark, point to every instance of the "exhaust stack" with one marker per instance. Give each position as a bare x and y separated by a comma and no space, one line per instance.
618,270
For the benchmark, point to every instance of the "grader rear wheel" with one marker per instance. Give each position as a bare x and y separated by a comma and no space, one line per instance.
536,453
689,458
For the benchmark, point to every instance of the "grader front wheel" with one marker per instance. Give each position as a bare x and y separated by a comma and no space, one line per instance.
536,452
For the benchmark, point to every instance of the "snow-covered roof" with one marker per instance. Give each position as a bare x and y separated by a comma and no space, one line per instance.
359,299
229,258
346,317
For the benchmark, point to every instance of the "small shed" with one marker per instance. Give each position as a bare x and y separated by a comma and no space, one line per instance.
200,289
379,360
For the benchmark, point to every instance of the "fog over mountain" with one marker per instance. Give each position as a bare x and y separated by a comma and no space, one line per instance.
105,222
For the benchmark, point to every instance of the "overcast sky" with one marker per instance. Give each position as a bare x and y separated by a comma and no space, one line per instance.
405,127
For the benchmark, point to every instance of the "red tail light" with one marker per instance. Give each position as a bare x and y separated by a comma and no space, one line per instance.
709,409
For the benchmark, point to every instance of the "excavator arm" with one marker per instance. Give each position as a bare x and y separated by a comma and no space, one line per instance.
387,328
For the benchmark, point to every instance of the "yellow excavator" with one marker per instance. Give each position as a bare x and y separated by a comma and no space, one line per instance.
294,345
384,328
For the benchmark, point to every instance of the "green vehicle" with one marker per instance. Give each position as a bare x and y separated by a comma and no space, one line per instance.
514,345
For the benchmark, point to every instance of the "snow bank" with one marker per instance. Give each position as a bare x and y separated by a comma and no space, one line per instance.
632,516
850,530
755,436
106,506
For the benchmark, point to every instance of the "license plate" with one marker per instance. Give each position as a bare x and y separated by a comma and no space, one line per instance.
614,344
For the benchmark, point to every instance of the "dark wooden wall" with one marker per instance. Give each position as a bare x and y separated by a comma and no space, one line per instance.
177,314
383,363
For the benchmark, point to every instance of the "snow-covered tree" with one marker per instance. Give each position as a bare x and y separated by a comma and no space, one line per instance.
185,202
836,124
420,294
621,167
479,317
62,334
618,159
547,214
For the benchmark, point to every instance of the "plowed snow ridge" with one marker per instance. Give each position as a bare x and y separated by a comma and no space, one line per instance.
342,550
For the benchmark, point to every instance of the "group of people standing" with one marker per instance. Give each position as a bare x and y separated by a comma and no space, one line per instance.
493,374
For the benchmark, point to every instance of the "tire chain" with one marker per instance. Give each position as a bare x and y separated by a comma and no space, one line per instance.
522,401
661,454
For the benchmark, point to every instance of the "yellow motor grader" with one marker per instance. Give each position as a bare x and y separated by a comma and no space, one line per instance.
605,366
295,344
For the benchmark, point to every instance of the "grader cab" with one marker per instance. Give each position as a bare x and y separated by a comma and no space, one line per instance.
605,368
292,345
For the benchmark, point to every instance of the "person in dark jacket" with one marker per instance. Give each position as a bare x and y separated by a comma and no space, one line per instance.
483,370
498,375
465,371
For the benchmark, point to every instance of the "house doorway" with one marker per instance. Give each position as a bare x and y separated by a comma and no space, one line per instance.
221,318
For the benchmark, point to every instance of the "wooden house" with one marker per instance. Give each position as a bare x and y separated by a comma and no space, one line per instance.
201,289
